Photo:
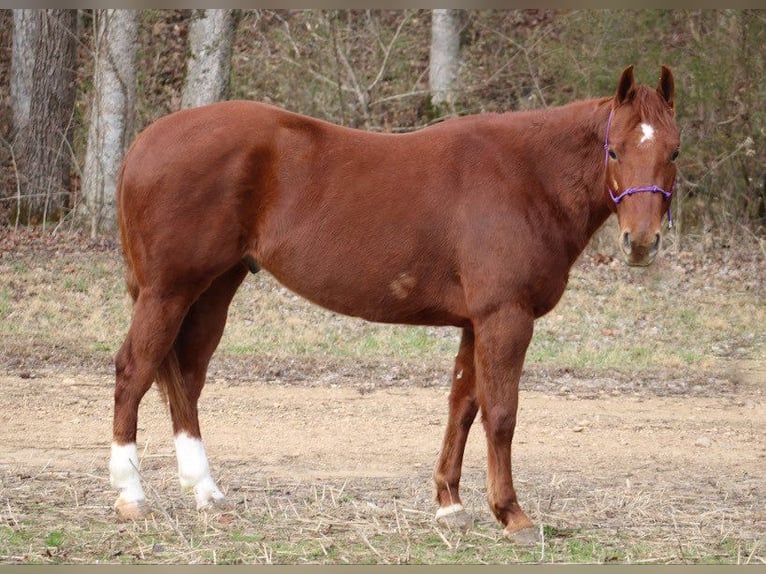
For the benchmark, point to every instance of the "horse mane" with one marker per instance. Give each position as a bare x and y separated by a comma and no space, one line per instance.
652,109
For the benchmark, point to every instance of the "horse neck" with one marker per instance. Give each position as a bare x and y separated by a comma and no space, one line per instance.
571,148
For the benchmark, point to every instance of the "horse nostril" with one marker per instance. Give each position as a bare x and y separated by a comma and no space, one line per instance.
626,243
656,245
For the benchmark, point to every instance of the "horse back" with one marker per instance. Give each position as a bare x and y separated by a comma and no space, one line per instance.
336,214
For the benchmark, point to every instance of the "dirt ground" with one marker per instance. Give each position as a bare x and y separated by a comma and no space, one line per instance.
60,421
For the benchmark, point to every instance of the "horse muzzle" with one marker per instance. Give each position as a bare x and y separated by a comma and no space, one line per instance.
640,251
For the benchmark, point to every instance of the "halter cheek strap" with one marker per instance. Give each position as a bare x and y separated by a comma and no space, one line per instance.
630,191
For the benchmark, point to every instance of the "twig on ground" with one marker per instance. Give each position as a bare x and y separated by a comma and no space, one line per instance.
367,542
444,538
156,502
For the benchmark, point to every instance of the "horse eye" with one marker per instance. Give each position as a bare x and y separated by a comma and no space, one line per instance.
674,155
612,154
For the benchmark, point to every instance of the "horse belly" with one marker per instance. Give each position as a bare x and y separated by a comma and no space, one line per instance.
353,285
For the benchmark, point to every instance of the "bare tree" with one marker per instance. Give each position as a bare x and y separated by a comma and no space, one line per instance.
351,52
43,84
111,114
26,32
445,55
211,39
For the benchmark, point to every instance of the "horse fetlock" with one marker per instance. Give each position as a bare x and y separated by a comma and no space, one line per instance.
449,510
206,492
193,468
124,476
508,512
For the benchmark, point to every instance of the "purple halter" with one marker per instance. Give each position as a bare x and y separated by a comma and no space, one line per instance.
630,191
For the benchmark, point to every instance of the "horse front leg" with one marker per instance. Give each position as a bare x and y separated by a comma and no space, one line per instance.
462,412
501,343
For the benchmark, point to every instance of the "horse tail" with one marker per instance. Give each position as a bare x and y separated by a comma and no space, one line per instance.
168,377
130,275
171,386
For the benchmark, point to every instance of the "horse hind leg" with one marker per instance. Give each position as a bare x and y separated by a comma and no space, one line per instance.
463,407
197,340
153,329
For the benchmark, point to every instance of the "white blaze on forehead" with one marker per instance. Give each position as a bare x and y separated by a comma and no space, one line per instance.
647,133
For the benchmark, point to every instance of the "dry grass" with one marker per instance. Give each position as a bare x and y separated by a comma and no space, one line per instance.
55,517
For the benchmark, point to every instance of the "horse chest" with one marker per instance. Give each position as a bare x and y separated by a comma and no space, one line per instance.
548,295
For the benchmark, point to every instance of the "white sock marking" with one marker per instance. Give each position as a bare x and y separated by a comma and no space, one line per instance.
647,132
447,510
194,471
123,473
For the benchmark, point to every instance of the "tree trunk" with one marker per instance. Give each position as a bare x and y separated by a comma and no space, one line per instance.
43,86
26,32
211,39
111,113
445,55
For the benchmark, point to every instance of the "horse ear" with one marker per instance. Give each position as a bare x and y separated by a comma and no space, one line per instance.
626,86
666,87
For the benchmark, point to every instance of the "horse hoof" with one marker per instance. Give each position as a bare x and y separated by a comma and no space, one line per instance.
216,505
525,537
131,509
455,520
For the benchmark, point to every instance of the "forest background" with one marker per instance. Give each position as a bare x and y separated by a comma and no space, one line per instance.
374,69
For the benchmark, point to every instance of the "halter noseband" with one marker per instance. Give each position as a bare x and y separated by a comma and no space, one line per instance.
630,191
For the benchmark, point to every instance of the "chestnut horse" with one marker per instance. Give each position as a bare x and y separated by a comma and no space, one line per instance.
473,223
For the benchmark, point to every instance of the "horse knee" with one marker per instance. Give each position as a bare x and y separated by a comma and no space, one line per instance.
130,385
499,423
121,360
122,370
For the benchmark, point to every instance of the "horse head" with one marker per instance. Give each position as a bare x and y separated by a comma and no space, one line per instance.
641,146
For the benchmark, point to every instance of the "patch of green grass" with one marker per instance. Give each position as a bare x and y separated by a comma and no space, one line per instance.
55,538
403,342
550,531
104,347
578,550
637,320
5,303
690,357
637,357
329,533
99,270
731,549
14,539
20,266
311,332
245,537
549,351
299,551
77,284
